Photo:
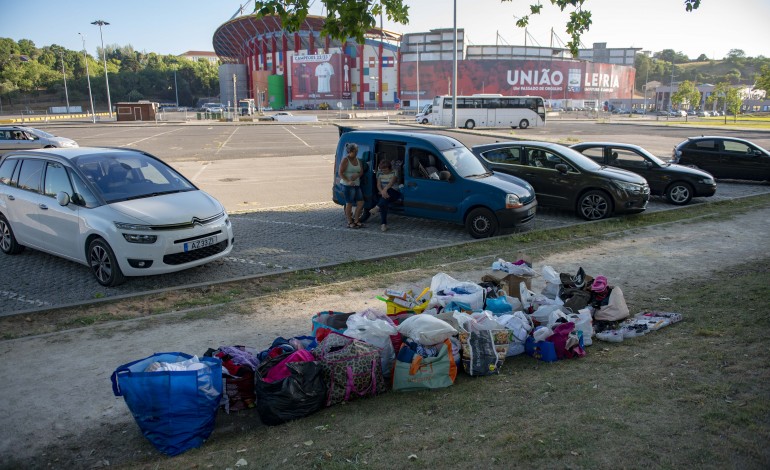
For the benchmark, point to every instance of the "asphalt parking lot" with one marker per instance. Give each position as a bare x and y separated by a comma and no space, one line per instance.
275,180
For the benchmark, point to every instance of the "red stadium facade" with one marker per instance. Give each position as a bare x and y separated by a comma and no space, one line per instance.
303,69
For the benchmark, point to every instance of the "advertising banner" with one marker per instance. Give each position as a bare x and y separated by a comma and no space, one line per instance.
555,79
320,76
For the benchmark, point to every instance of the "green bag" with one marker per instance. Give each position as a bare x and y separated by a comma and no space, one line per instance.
424,372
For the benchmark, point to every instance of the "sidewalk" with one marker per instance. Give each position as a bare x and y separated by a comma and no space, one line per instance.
57,388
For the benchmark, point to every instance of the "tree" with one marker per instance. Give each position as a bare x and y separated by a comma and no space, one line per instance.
702,58
353,18
735,54
726,97
763,79
686,93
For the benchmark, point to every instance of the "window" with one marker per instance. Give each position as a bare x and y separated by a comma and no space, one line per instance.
56,180
82,196
626,159
737,147
6,170
704,145
510,156
594,153
29,176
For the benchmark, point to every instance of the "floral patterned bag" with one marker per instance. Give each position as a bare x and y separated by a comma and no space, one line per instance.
352,368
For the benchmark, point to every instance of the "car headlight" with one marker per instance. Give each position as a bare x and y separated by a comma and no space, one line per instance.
630,187
136,237
69,144
706,180
512,201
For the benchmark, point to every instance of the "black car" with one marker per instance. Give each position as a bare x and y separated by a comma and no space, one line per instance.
724,157
679,184
567,179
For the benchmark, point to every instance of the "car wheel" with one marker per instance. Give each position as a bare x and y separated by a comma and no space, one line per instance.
470,124
424,121
8,243
481,223
523,124
594,205
104,264
679,193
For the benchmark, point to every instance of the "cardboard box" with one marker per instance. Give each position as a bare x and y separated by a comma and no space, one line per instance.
510,282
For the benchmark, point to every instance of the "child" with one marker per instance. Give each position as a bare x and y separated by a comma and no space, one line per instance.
387,178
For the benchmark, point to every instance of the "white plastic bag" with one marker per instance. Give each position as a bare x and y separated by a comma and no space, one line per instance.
552,282
616,309
377,333
522,270
426,329
583,322
520,325
445,287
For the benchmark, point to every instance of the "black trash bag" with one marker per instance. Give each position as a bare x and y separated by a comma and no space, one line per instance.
299,395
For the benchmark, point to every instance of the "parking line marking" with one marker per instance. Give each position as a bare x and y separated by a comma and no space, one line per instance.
298,138
227,140
198,173
260,263
10,295
151,137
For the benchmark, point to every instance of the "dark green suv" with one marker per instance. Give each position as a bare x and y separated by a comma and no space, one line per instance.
567,179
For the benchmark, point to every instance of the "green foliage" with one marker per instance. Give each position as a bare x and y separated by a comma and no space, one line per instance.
763,80
726,98
133,75
686,93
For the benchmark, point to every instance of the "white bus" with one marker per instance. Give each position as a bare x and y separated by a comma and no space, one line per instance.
490,111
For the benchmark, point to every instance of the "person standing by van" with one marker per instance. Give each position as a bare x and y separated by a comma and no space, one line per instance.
386,180
350,172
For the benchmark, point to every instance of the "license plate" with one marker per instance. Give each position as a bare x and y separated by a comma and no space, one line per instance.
198,244
531,211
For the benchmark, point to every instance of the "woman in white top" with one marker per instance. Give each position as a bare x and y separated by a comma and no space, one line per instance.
350,172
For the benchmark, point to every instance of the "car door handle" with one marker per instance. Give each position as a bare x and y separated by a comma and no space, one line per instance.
411,184
43,206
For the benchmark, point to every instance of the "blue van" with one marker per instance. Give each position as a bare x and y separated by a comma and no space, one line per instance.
440,179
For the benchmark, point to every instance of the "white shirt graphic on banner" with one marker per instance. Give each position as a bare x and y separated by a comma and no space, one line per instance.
324,72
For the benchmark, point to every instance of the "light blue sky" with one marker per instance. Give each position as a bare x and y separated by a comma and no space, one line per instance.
175,26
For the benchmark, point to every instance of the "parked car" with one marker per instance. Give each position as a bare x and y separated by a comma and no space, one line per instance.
441,180
724,157
121,212
679,184
212,108
703,113
567,179
22,138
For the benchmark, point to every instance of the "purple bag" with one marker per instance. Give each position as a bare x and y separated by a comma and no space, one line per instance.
566,342
352,368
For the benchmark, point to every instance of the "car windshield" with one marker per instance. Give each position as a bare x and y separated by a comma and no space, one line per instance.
577,158
653,157
465,163
130,175
40,133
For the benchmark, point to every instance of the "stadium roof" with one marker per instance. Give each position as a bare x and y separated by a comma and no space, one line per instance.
232,38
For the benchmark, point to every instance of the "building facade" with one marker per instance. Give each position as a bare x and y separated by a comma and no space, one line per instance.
305,69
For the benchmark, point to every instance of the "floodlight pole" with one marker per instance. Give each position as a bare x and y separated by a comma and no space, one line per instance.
64,73
454,71
101,23
88,77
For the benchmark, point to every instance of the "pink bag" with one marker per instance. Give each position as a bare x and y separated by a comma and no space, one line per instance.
566,342
352,368
280,371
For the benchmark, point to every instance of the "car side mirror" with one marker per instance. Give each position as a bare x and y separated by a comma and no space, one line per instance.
648,164
561,168
62,198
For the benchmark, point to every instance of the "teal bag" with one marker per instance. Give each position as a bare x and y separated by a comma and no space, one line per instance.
421,373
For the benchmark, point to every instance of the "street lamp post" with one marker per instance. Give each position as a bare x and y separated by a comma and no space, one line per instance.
64,73
88,77
418,76
101,23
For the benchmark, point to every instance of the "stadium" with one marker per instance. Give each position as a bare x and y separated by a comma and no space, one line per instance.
280,69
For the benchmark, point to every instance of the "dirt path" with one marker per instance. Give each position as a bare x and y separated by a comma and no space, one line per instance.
56,388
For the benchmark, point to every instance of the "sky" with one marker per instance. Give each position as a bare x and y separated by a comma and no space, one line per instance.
176,26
